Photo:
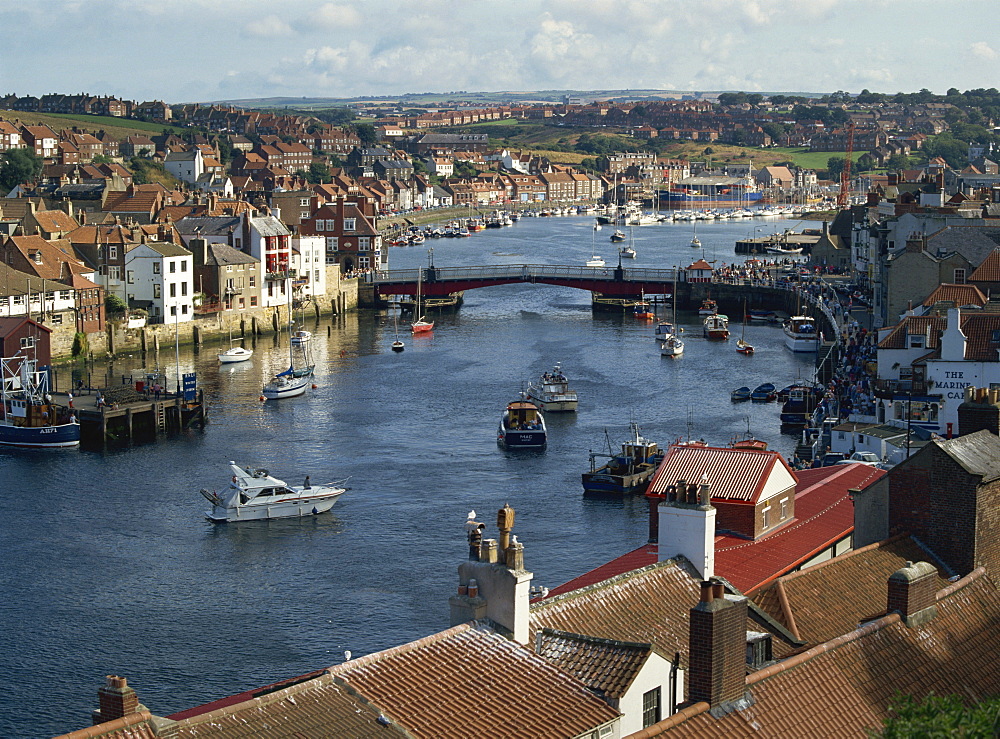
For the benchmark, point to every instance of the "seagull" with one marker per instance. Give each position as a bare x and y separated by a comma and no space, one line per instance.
513,539
472,515
347,655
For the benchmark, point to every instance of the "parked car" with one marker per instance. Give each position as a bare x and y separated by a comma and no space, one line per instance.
832,458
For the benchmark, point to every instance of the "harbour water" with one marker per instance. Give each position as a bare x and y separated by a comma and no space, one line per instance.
110,568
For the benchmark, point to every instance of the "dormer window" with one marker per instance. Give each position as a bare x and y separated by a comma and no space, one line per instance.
916,341
960,276
37,256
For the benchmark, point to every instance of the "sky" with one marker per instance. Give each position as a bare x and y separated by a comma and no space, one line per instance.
205,50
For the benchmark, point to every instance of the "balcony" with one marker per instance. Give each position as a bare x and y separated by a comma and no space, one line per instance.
888,389
282,274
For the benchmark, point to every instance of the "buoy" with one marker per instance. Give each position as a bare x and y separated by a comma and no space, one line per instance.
262,398
315,386
342,352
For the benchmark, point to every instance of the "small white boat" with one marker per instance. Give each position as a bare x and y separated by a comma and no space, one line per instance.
801,334
235,354
595,261
253,495
552,392
672,347
664,330
300,337
628,252
285,385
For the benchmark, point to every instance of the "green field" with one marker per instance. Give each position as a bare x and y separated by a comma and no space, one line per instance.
119,128
811,159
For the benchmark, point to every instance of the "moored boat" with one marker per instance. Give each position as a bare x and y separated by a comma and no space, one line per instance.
235,354
708,307
301,336
253,495
628,252
799,405
764,393
740,394
801,334
28,417
521,426
618,236
626,473
552,392
671,347
716,327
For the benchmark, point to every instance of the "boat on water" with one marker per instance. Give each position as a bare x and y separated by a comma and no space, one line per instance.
801,334
696,242
253,495
28,417
293,381
763,316
664,330
628,252
521,426
764,393
743,346
800,403
595,261
740,394
552,392
421,325
301,337
617,236
642,310
785,249
397,344
671,347
626,473
235,354
716,327
708,307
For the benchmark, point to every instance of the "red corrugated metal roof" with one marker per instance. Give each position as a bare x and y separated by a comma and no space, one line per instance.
734,474
824,514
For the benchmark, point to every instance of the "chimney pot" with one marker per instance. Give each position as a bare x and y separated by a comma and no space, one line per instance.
707,591
473,589
718,589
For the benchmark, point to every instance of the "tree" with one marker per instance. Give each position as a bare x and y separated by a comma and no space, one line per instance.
897,161
101,159
834,166
18,166
366,132
865,162
318,173
465,169
114,305
941,716
639,111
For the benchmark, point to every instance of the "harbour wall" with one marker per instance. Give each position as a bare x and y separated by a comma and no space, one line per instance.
341,296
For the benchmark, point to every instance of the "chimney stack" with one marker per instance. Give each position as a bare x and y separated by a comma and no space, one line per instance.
913,593
979,411
686,526
116,699
717,647
496,587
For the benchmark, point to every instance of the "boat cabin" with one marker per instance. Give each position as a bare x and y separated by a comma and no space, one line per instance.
523,415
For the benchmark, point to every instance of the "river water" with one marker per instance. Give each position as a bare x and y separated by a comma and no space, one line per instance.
110,568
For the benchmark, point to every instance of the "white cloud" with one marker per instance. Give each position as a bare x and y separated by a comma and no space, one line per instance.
982,50
335,16
268,27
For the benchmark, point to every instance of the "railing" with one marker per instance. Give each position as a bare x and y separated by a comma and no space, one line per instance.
205,308
892,388
520,272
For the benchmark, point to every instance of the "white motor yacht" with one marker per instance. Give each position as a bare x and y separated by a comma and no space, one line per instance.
253,495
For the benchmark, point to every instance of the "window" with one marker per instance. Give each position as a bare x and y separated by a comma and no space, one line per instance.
304,215
56,319
173,310
650,707
766,517
253,301
959,276
316,275
916,341
38,257
112,252
173,289
156,268
184,265
173,267
363,243
784,508
304,203
184,288
331,243
320,224
27,342
184,309
349,224
114,272
229,268
130,276
253,280
156,290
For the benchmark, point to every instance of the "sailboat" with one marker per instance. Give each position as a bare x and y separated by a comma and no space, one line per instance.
597,260
696,242
670,343
292,382
742,346
234,353
629,251
420,326
397,345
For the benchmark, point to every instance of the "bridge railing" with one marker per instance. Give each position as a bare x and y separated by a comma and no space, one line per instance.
520,272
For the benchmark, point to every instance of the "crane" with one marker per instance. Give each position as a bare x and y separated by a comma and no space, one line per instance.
845,173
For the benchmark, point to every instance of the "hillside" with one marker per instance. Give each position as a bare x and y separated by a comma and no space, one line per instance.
118,128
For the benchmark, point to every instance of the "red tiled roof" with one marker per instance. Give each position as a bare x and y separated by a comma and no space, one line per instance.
469,682
844,687
734,474
988,270
958,294
701,264
823,514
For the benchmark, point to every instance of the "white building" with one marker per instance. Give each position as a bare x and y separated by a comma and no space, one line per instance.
309,264
186,166
269,240
159,276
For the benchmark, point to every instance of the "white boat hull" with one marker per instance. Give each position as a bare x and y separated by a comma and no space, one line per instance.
290,389
547,405
261,511
231,357
801,344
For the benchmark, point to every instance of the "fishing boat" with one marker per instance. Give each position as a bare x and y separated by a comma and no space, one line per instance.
626,473
253,495
642,310
421,325
740,394
800,404
764,393
552,392
521,426
708,307
801,334
28,417
716,327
